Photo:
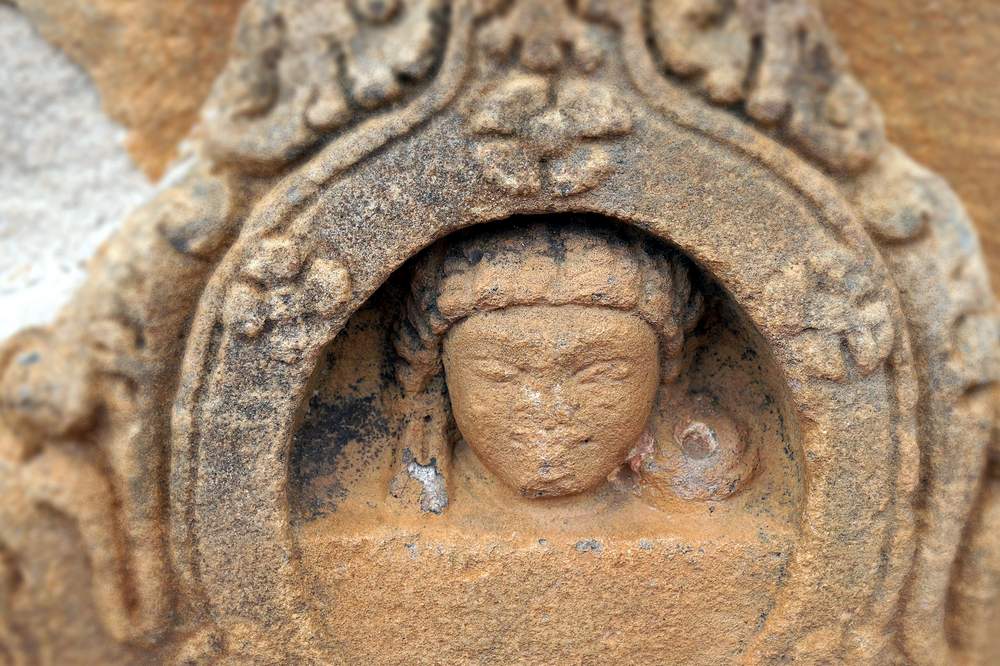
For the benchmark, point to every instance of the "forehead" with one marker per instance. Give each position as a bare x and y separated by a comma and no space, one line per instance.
553,329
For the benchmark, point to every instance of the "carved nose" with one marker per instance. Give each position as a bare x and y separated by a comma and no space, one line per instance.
551,419
547,404
549,431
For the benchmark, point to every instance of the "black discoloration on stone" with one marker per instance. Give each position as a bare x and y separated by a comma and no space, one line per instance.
328,428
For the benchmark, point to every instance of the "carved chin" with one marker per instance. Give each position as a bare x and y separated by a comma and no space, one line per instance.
550,482
537,476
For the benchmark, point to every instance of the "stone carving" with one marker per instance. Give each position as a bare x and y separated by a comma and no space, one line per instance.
299,69
567,319
778,60
566,136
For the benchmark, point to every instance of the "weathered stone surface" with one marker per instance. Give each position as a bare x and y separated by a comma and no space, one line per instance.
517,331
929,63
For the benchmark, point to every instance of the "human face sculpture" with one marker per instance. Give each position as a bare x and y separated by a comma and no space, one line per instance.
552,398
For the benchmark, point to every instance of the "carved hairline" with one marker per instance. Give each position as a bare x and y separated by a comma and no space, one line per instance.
422,326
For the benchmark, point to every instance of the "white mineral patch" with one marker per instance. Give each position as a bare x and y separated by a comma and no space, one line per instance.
65,180
434,497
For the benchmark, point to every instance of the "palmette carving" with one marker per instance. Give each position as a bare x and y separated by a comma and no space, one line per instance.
779,61
383,125
301,69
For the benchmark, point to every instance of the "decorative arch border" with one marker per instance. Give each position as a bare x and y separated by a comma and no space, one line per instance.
287,286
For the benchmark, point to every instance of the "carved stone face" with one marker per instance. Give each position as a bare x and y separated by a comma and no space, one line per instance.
552,398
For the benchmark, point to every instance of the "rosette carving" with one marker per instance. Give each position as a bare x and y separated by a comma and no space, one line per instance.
540,130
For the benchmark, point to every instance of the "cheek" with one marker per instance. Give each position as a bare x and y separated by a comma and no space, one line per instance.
617,409
478,406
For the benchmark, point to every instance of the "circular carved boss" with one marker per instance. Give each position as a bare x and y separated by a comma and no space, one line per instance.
768,228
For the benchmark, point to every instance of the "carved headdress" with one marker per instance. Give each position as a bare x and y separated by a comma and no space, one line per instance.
545,264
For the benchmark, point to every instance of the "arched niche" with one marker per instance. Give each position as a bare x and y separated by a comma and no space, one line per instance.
767,229
613,556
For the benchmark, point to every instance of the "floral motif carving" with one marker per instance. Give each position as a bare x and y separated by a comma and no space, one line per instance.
547,121
283,284
862,328
542,130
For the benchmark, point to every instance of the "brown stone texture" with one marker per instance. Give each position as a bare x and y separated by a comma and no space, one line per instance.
152,60
932,66
525,331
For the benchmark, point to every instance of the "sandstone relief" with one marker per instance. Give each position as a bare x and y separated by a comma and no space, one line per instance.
526,331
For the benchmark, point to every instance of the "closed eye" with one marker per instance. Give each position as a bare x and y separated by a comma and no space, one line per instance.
495,370
612,370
